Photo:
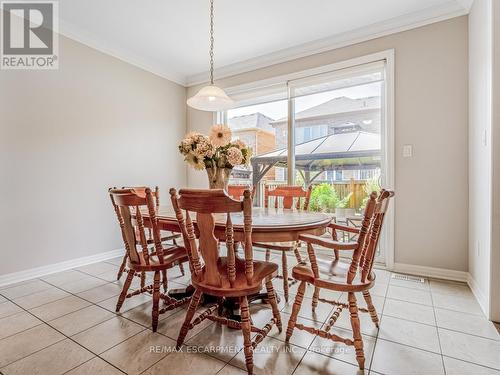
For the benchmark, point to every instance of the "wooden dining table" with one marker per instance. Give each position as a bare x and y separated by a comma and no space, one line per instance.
268,224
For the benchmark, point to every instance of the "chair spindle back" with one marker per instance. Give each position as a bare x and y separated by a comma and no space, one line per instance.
127,204
369,235
206,203
237,191
289,194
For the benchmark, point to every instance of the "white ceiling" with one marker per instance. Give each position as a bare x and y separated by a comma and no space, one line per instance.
170,37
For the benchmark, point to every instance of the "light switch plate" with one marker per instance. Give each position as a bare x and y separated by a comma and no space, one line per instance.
407,151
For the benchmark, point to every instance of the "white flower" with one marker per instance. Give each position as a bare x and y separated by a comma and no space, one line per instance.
195,160
234,156
204,147
220,135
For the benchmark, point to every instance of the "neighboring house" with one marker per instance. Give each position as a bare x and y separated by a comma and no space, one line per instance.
338,115
255,131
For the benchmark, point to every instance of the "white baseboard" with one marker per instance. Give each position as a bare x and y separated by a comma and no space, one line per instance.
33,273
438,273
480,296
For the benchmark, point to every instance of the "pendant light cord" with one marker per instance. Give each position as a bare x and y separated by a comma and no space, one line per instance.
211,42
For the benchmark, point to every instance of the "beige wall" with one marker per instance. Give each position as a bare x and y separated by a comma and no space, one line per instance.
431,113
66,136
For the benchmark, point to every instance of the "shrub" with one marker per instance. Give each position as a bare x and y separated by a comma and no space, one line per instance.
324,198
371,185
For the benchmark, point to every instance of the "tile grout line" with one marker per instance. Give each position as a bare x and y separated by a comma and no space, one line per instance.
381,314
437,332
91,359
69,337
108,282
91,304
60,332
472,363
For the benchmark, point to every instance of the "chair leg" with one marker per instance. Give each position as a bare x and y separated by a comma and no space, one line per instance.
268,255
315,298
164,281
284,265
297,253
181,268
271,295
337,255
156,300
356,329
123,294
295,310
193,305
371,308
246,328
122,267
143,280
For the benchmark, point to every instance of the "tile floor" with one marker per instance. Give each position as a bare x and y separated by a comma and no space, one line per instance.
65,324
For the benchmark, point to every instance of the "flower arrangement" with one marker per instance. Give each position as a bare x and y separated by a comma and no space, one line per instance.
215,153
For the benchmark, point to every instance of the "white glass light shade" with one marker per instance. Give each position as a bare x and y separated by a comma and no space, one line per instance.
210,98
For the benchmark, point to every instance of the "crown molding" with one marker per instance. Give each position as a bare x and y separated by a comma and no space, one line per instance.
77,34
466,4
406,22
451,9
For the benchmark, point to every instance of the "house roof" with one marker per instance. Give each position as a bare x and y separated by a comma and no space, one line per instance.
254,120
336,106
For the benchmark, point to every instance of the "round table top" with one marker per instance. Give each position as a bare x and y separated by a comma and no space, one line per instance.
264,219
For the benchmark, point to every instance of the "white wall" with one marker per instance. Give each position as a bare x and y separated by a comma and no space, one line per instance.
430,113
68,135
480,142
495,248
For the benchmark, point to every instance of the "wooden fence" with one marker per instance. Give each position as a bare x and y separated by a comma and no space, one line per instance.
343,188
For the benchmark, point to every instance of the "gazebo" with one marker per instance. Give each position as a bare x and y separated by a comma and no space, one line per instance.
343,151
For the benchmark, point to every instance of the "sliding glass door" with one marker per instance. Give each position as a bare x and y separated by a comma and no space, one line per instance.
326,130
337,120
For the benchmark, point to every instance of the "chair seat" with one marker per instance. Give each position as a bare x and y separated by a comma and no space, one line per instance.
171,256
283,246
262,271
333,276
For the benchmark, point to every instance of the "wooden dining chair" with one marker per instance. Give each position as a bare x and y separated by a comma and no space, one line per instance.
170,237
287,197
140,258
237,191
223,276
354,277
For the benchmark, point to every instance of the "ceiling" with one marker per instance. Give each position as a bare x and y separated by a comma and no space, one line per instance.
170,37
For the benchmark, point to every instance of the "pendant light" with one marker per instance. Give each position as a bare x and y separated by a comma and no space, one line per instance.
211,97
